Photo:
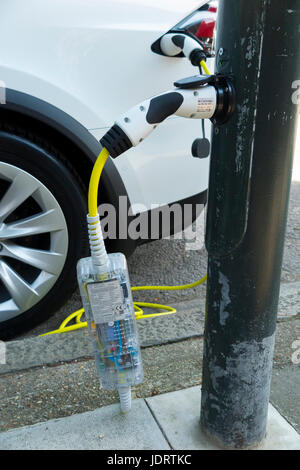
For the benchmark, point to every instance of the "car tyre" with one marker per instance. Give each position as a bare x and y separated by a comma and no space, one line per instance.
37,265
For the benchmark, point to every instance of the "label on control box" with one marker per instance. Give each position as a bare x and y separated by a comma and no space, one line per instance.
107,301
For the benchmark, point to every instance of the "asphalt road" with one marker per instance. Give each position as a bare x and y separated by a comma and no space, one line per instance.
167,262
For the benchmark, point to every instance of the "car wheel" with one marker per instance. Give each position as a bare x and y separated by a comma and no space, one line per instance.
42,231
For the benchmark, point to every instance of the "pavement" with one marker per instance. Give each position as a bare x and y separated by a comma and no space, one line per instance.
49,385
49,390
166,422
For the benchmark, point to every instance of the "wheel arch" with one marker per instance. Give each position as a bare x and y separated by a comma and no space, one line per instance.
32,111
66,132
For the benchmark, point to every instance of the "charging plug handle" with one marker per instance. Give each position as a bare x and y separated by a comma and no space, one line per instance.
226,97
116,141
196,56
200,97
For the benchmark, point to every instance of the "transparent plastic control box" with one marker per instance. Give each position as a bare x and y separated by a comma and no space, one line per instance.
109,311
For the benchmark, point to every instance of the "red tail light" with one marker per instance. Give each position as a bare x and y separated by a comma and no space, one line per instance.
213,9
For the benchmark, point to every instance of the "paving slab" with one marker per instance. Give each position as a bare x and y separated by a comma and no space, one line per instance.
102,429
172,423
178,414
285,393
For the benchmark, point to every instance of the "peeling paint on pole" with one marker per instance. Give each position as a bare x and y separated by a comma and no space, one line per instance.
225,298
247,370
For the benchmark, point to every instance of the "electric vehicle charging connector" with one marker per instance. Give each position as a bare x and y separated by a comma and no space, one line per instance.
199,97
172,44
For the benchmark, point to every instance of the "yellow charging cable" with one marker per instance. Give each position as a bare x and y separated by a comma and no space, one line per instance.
93,211
204,66
139,313
94,182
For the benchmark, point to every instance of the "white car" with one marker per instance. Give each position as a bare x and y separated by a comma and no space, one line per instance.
68,69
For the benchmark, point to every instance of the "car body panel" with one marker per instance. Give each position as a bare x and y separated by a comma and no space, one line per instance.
92,59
